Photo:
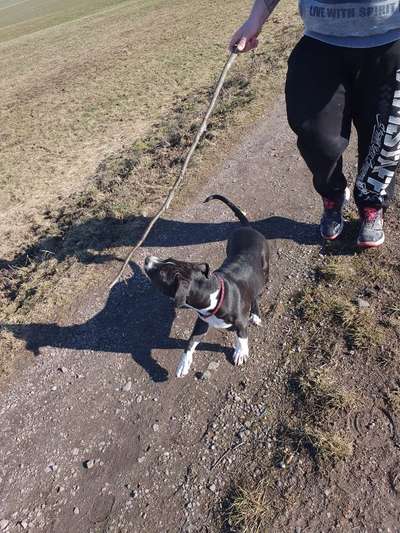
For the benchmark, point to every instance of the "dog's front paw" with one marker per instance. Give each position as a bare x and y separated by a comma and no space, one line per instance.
184,365
255,319
241,353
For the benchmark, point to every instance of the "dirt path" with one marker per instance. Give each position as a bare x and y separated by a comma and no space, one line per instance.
103,389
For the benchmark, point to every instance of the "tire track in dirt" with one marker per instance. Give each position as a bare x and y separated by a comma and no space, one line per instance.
103,389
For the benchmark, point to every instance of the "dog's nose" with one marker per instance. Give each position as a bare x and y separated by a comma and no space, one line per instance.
150,261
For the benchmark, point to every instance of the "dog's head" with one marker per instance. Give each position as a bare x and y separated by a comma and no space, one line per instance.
175,278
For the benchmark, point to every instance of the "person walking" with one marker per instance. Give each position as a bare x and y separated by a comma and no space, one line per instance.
346,68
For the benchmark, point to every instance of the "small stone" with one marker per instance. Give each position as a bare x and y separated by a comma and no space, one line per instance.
54,388
51,468
141,459
89,464
3,524
63,369
204,376
127,387
75,451
156,428
362,304
139,399
24,524
76,510
213,365
212,488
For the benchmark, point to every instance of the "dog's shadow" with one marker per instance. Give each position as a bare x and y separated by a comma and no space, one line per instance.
135,320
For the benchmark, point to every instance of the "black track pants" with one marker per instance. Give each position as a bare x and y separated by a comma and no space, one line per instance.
327,88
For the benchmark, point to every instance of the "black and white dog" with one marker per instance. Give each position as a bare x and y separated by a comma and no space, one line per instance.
227,298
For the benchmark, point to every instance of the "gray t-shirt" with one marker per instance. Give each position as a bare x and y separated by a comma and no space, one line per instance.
356,24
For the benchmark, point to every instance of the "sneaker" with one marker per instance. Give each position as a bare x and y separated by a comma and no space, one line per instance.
332,221
371,232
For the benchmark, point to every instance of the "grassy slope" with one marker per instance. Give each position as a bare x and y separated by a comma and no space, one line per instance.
21,17
74,93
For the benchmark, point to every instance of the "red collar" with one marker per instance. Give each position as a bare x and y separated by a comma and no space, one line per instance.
220,297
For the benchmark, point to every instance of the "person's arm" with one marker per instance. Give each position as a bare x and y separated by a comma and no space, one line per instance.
245,38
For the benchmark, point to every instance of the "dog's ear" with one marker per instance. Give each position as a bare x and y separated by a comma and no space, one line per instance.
181,292
204,268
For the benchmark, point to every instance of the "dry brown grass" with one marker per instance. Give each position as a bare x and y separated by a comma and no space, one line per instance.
360,326
337,271
98,84
322,391
333,299
250,509
329,446
393,397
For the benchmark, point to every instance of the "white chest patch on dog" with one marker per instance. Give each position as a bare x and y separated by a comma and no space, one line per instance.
212,321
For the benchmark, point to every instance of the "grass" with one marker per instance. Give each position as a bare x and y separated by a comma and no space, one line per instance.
320,389
328,446
328,305
22,17
100,217
250,511
336,271
86,99
393,398
360,326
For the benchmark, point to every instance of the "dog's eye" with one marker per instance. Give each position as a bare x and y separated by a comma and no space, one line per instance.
164,275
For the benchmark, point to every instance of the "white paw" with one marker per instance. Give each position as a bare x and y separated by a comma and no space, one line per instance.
241,353
255,319
184,365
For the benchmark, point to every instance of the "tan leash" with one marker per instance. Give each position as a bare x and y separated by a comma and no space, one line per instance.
179,180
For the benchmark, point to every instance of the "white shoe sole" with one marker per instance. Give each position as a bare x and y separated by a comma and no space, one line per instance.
371,244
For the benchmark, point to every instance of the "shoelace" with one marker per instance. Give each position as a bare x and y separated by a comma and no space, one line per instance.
370,214
329,204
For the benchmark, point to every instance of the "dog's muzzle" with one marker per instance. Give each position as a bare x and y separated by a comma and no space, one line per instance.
150,262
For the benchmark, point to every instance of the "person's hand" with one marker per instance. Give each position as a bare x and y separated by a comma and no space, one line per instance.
245,38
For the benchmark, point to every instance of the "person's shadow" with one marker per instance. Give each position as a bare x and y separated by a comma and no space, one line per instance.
135,320
87,241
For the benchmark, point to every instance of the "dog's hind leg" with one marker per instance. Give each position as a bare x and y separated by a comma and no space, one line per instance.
255,317
199,330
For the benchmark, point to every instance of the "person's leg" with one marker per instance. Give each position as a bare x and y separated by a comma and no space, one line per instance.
377,120
318,112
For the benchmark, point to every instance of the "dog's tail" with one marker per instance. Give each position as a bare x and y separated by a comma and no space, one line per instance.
240,215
